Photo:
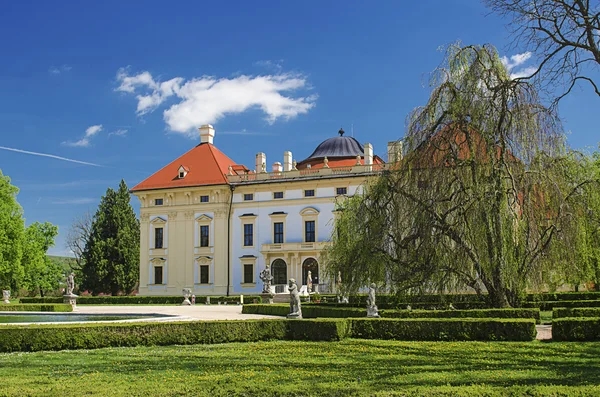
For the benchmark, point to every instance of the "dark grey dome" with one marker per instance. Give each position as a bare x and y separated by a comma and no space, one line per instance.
339,146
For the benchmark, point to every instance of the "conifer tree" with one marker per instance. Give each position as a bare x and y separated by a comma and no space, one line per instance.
111,254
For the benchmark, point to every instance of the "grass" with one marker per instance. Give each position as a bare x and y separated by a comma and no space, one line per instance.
351,367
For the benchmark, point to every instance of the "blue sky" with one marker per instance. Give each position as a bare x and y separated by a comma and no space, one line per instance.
123,84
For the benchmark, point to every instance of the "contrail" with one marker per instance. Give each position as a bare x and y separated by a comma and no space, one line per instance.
51,156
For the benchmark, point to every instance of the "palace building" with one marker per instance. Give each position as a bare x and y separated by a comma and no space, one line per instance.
212,225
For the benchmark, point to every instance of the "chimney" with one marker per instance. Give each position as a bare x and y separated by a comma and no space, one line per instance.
368,154
287,161
277,167
207,134
394,151
261,159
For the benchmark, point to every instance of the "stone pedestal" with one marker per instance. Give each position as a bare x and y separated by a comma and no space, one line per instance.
5,296
70,299
297,314
267,298
372,312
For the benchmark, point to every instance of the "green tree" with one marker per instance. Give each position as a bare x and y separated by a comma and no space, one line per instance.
478,200
11,236
41,274
111,254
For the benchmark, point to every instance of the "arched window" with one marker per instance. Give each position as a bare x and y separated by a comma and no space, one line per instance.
279,271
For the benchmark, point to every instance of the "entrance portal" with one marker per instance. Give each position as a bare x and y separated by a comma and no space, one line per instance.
279,272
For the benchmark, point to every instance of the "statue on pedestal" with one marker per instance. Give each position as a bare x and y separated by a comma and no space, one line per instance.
6,296
309,283
69,297
266,278
295,308
187,292
372,310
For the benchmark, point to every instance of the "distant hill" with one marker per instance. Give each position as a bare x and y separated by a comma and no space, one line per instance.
65,262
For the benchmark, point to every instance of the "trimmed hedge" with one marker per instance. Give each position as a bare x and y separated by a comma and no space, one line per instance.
36,308
448,329
318,311
565,296
576,329
140,300
94,336
550,305
560,312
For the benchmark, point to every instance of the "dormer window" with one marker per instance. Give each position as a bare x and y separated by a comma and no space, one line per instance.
182,171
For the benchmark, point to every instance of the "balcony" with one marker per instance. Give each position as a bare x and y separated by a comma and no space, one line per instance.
308,173
294,247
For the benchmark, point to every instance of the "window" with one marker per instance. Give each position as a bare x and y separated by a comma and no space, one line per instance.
309,193
248,235
158,238
309,231
278,195
204,199
341,190
181,174
158,274
203,274
204,236
278,233
248,197
158,201
248,273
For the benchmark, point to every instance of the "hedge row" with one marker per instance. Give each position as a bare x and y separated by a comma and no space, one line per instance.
560,312
140,300
36,308
447,329
550,305
565,296
317,311
93,336
576,329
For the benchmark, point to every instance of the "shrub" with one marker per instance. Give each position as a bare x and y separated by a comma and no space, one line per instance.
93,336
576,329
559,312
549,305
444,329
36,307
140,300
565,296
320,311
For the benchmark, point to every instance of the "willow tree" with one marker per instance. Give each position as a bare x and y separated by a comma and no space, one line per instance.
477,200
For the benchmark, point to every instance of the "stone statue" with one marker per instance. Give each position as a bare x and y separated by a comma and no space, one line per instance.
309,282
295,308
187,292
266,278
70,284
372,310
263,167
5,296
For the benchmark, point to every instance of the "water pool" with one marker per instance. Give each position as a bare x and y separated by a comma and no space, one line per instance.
6,318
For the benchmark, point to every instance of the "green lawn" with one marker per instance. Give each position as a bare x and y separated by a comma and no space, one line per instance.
352,367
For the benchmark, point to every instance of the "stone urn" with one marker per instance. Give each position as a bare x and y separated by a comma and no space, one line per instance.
5,296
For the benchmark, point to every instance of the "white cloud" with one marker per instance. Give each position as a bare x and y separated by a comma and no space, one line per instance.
518,60
244,132
525,72
119,132
60,69
208,99
74,201
49,155
268,64
85,141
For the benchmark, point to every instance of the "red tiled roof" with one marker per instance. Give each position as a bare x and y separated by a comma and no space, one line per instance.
207,165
